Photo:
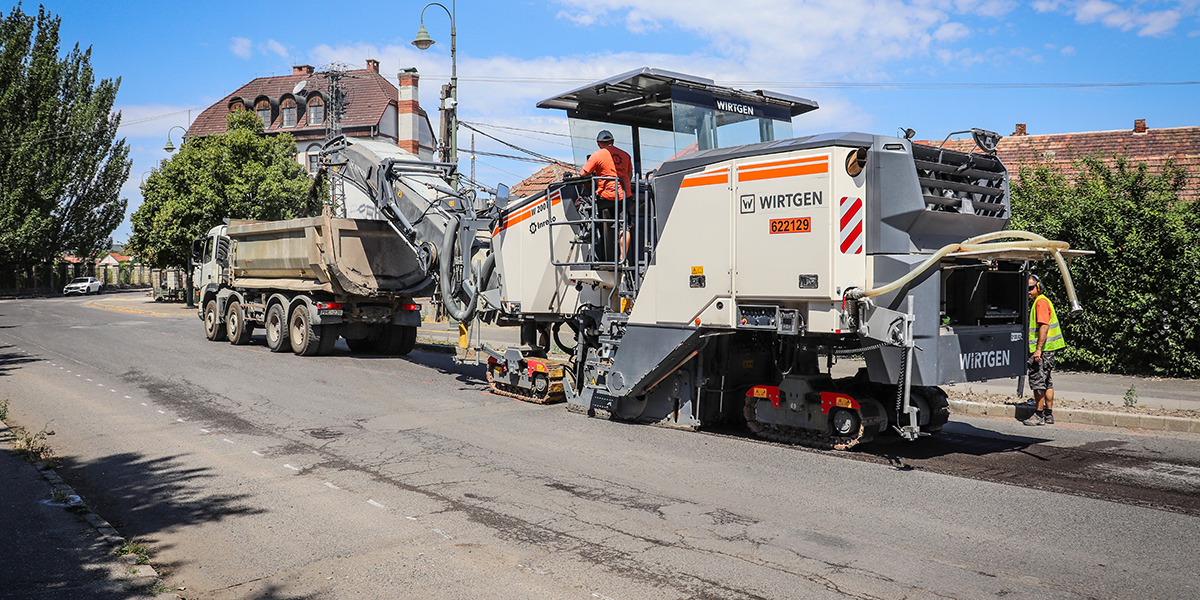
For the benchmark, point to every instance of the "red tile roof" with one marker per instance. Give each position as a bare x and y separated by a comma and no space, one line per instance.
1060,150
538,181
368,94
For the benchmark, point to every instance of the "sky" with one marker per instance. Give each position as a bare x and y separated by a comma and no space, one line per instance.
936,66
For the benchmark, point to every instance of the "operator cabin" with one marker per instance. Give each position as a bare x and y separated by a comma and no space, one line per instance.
299,104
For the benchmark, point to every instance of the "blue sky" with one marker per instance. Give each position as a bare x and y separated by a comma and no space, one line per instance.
172,57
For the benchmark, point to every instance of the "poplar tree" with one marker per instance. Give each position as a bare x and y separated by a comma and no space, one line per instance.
61,164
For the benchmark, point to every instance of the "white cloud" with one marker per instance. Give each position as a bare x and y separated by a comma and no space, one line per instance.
1068,51
276,48
241,47
1117,16
579,18
950,32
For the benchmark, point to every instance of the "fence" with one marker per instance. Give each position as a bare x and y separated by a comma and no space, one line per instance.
50,278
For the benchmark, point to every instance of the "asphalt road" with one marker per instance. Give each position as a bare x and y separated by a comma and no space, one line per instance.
255,475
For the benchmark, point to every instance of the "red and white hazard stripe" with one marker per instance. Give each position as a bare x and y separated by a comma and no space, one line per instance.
851,225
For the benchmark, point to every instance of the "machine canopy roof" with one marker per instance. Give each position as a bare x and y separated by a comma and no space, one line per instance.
643,98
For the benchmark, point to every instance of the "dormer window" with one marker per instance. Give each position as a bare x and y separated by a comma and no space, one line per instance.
316,110
263,108
287,109
236,105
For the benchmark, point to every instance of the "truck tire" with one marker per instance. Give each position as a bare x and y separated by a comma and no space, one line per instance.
214,325
238,330
277,328
398,340
303,334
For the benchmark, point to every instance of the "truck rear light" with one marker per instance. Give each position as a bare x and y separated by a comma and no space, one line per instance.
410,307
329,305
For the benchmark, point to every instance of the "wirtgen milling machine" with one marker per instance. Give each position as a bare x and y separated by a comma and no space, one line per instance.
753,256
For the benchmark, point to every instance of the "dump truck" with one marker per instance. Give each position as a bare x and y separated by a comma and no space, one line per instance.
308,282
755,260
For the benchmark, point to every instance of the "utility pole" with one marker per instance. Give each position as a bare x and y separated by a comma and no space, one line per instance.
334,111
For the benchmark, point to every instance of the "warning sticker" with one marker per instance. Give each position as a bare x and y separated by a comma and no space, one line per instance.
796,225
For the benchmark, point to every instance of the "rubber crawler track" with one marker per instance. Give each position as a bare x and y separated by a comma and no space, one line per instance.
552,395
797,436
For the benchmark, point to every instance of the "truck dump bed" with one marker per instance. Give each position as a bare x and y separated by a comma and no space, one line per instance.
342,256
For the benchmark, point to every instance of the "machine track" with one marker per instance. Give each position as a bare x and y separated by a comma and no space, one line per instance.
797,436
552,395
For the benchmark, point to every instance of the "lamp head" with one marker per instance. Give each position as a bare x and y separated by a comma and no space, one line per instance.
169,147
423,40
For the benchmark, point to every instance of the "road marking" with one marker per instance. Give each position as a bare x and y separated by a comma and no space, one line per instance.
292,468
204,430
374,503
128,398
443,534
88,380
331,486
113,391
144,404
180,420
411,518
162,412
227,440
256,453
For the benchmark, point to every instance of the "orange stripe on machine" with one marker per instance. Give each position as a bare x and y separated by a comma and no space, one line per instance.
712,178
527,212
787,171
783,163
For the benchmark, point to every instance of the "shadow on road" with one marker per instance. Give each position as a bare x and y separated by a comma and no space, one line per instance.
958,438
144,496
11,359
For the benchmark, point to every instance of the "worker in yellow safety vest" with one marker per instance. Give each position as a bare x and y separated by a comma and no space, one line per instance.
1045,339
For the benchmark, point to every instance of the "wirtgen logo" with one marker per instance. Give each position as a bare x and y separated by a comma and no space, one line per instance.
747,202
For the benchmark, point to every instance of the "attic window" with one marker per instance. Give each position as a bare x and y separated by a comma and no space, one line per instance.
288,109
263,108
316,110
236,105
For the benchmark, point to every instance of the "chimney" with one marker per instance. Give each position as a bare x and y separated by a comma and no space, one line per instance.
1020,130
302,70
372,65
1139,126
408,111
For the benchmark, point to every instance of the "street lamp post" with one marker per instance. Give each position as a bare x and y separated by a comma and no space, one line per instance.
169,147
423,41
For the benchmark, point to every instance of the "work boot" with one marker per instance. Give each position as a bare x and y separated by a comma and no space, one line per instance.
1036,419
1049,420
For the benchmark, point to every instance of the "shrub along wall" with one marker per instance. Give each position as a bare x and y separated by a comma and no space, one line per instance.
1139,291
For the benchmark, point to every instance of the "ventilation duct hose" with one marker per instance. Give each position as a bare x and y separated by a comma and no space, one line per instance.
461,313
1028,241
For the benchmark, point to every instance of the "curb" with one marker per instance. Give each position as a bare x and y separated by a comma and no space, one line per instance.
142,575
1082,417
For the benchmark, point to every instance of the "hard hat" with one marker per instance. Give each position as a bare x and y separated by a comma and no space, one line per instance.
604,136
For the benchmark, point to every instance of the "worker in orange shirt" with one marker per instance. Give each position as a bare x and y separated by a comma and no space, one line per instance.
611,161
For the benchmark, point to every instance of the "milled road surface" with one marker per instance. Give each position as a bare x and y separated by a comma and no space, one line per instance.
255,475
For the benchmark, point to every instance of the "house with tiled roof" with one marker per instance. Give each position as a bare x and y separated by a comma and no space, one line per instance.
537,182
1140,144
299,104
112,259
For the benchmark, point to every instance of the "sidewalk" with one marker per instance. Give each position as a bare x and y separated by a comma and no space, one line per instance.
58,550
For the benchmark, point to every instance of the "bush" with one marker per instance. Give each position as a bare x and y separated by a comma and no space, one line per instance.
1139,289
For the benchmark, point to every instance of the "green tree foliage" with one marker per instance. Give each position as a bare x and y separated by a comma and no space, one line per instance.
1139,291
241,174
61,166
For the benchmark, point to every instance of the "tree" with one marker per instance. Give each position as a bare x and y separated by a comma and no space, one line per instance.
241,174
1141,313
61,166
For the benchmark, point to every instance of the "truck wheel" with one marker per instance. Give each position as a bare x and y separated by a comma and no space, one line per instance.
398,340
238,329
214,325
305,337
277,329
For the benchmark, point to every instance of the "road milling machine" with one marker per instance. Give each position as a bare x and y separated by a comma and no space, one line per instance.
740,265
745,260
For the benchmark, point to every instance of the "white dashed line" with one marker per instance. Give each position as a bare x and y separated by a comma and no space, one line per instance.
128,398
162,412
144,404
113,391
205,430
256,453
227,440
443,534
292,468
180,420
331,486
411,518
375,504
99,385
87,380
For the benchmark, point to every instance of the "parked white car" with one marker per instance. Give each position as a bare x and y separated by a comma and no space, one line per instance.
83,286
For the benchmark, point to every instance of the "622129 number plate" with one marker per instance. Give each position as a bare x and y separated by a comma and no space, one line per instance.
796,225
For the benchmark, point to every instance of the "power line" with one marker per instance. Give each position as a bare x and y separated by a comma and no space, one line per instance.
916,85
514,146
